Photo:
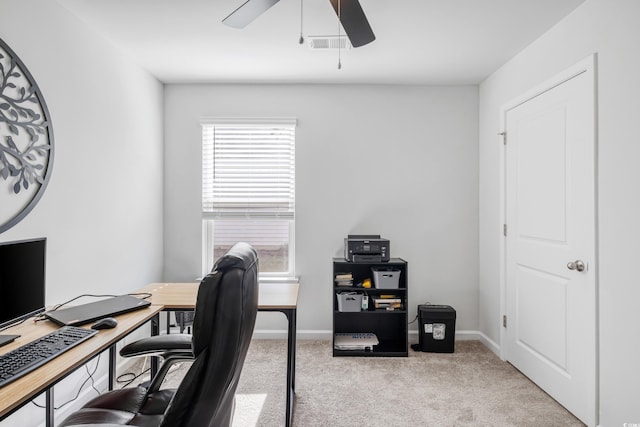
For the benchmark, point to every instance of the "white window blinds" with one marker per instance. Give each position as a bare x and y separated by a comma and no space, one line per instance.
248,168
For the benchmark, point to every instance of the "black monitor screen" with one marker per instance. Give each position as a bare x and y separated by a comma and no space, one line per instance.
22,277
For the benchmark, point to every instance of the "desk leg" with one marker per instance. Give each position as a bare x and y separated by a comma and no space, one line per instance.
155,330
291,365
49,407
112,366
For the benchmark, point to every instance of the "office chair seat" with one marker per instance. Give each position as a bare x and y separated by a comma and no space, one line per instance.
128,406
225,316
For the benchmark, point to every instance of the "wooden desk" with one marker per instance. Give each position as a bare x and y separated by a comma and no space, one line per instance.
21,391
282,297
182,296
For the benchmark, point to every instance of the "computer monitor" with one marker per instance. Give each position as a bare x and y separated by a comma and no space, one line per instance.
22,280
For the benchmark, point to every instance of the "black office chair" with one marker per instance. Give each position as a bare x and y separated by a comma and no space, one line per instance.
184,319
225,316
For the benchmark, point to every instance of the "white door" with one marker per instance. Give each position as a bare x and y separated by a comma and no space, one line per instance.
550,274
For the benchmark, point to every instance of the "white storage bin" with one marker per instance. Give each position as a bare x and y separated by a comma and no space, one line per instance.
385,278
349,301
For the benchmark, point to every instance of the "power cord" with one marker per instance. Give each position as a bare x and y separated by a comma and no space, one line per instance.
416,318
146,294
131,376
90,377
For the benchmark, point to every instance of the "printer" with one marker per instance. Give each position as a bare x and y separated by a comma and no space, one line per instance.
366,248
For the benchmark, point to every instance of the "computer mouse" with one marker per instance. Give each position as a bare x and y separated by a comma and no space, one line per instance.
106,323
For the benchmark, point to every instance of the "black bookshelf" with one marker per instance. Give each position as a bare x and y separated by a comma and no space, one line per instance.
390,326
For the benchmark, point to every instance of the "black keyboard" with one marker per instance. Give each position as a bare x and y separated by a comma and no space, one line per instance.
22,360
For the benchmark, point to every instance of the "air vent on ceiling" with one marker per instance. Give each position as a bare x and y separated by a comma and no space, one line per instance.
328,42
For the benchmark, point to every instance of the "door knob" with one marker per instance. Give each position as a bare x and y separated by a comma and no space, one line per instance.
576,265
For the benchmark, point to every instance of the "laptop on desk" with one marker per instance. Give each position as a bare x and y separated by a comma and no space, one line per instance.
85,313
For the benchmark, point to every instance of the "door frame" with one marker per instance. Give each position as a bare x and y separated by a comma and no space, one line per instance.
589,66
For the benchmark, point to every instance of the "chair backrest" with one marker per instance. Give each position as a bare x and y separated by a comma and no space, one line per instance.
225,316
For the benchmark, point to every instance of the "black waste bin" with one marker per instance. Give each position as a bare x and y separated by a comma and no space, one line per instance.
437,328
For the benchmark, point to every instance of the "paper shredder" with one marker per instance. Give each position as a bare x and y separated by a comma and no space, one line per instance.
437,328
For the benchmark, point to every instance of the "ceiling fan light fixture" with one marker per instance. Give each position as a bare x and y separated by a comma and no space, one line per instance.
328,42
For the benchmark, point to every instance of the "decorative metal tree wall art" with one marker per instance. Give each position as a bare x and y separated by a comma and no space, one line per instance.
26,140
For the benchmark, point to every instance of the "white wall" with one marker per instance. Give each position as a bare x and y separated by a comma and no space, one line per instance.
400,161
610,29
102,211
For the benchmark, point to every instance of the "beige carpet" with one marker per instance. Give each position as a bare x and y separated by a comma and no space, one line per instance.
471,387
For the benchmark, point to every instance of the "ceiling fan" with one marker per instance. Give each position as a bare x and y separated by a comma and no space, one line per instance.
349,13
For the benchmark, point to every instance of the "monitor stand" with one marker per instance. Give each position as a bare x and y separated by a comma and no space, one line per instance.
6,339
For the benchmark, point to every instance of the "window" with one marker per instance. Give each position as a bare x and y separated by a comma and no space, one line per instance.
248,190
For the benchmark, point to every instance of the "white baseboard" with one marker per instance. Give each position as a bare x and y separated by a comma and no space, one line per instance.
310,334
490,344
281,334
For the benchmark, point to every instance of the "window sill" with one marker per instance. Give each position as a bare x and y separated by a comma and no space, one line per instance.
275,279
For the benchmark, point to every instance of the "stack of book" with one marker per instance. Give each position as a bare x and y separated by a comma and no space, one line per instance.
344,279
387,302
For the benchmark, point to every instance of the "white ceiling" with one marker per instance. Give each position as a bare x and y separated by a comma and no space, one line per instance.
436,42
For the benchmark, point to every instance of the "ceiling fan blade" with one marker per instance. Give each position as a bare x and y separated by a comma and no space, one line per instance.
247,12
354,22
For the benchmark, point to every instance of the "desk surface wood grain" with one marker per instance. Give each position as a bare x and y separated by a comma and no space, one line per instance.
26,388
165,296
176,296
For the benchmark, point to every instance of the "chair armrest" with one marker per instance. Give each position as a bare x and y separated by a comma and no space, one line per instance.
168,344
